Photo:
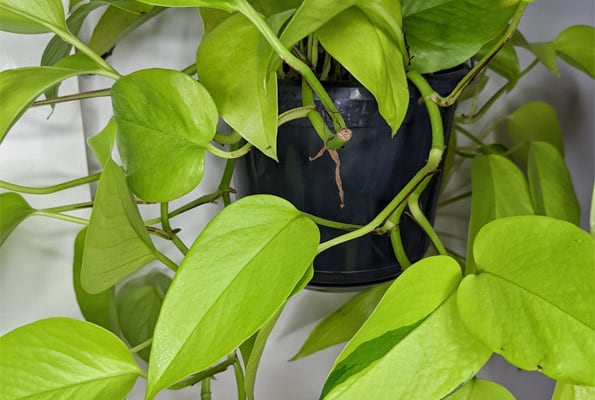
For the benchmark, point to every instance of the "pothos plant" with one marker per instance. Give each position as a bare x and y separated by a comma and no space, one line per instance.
525,289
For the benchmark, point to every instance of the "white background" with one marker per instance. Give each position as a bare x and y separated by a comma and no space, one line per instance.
36,259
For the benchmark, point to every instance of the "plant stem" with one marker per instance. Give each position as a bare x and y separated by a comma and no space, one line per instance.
231,138
165,260
245,8
295,113
239,375
332,224
205,389
458,90
206,199
429,169
141,346
166,227
454,199
50,189
242,151
63,217
201,376
72,97
422,221
225,181
69,207
470,136
108,70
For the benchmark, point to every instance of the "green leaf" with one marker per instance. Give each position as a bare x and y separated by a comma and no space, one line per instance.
342,324
438,43
499,190
414,331
480,389
568,391
354,34
21,86
550,184
138,303
94,307
592,215
165,121
225,5
546,54
129,6
222,292
211,18
117,241
13,210
31,17
242,99
575,45
116,24
532,121
533,298
61,358
102,143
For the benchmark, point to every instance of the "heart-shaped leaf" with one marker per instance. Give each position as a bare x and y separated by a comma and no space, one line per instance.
568,391
533,121
94,307
341,325
480,389
138,303
354,34
437,43
165,121
32,16
222,293
61,358
550,183
117,241
243,101
13,210
575,45
533,298
102,143
499,190
414,331
21,86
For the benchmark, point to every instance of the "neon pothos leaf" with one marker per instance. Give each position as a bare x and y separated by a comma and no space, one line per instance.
21,86
499,190
117,241
533,297
165,121
138,302
103,142
13,210
417,314
533,121
550,184
32,16
341,325
575,45
223,285
480,389
63,358
354,34
242,99
94,307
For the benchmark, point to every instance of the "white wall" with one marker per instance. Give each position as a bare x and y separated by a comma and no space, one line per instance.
35,261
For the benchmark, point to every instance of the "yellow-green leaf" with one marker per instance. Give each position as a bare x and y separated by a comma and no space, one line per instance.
13,210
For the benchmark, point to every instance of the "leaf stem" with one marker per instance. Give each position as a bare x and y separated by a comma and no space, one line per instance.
454,199
201,376
458,90
332,224
242,151
167,228
295,113
69,207
165,260
50,189
420,218
141,346
73,97
226,177
63,217
239,375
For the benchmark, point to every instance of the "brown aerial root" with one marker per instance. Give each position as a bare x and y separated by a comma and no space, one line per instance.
338,181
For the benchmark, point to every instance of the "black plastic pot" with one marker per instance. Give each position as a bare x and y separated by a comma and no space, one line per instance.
374,167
